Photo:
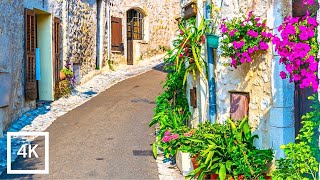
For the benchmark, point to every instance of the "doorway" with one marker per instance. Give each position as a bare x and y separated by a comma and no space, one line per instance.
135,30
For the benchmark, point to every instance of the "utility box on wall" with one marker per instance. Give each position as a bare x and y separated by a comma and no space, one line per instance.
5,84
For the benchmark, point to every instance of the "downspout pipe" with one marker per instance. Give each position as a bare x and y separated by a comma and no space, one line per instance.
211,76
108,23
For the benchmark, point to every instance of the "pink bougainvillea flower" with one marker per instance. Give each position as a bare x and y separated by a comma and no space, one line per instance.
238,45
232,32
252,33
181,55
308,2
283,75
290,29
303,36
296,77
263,45
250,50
312,21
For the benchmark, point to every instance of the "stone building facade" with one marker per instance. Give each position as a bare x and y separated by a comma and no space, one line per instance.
79,32
270,100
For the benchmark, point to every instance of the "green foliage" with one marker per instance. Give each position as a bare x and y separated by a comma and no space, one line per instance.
68,72
228,149
302,157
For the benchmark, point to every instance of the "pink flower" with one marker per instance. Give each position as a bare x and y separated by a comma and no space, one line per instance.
181,55
181,32
166,139
296,77
290,29
238,45
312,21
174,136
250,50
263,45
283,75
308,2
232,32
252,33
167,133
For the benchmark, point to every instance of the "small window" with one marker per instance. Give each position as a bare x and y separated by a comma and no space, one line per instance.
299,9
116,34
135,25
239,108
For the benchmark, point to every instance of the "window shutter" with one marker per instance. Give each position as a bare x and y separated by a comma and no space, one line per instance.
239,105
30,63
299,9
56,53
116,34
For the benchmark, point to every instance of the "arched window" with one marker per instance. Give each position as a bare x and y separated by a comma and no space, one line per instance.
134,25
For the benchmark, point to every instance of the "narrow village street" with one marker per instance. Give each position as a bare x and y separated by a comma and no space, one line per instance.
107,137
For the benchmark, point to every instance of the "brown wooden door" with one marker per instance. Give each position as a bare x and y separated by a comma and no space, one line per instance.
301,105
56,53
130,52
31,89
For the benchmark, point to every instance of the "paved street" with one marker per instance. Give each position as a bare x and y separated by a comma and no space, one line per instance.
107,137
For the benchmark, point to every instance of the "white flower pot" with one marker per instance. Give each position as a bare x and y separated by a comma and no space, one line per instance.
184,163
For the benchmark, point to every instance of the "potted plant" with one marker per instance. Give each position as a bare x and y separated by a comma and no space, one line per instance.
212,38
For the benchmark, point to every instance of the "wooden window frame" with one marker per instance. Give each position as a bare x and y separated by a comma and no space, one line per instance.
135,25
246,106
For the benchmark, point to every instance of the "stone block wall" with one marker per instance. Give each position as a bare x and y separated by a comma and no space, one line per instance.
160,26
254,78
12,62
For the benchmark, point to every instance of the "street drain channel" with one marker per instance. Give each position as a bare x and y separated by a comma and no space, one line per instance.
143,100
142,153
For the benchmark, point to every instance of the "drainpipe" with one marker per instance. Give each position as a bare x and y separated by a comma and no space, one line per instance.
212,90
108,22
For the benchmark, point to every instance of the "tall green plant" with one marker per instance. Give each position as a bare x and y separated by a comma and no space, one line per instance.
302,157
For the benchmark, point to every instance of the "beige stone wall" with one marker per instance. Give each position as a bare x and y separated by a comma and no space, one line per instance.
254,78
160,26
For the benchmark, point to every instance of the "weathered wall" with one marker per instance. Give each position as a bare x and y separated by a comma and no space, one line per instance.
11,62
160,26
254,78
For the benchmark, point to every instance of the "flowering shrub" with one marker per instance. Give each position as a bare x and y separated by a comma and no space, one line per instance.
243,37
168,136
298,48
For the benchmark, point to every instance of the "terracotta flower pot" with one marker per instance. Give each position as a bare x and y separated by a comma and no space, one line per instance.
195,163
267,177
62,75
214,176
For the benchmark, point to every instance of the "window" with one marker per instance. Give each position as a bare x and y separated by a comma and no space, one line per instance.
116,34
298,9
239,105
135,25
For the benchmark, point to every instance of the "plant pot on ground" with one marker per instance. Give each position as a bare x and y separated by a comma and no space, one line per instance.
62,75
184,163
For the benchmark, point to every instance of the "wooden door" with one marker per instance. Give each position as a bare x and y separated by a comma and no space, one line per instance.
301,105
31,89
130,41
56,29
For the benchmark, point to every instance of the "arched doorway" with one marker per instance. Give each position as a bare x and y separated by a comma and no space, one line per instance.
135,31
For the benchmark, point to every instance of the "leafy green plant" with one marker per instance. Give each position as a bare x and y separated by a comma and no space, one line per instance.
228,149
68,72
302,157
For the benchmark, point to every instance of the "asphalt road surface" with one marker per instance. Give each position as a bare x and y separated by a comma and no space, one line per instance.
106,138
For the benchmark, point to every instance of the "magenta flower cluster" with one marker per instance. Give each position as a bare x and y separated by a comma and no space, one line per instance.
298,49
168,136
243,37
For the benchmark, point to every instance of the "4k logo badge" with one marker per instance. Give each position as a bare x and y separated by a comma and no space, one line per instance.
28,151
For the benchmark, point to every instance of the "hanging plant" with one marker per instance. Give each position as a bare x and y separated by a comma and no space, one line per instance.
298,48
243,38
193,38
